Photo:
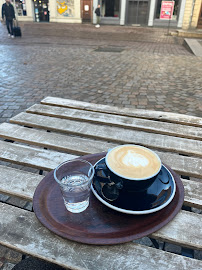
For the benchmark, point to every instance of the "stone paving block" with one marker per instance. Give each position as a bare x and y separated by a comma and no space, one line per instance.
198,254
3,198
8,266
28,206
17,202
173,248
1,263
13,256
7,254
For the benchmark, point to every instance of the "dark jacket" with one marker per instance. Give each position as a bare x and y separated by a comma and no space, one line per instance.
97,11
8,12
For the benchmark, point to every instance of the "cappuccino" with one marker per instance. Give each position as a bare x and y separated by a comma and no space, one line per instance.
133,162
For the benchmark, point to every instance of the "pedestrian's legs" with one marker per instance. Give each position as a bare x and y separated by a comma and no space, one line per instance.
11,25
98,21
8,26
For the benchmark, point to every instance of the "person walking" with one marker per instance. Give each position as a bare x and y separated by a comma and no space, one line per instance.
97,12
8,13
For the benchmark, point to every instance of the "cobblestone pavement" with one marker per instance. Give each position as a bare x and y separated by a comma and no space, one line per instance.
153,71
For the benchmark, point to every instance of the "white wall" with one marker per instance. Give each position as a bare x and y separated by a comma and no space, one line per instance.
151,12
123,12
95,4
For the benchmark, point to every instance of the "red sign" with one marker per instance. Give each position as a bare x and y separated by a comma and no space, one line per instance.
167,8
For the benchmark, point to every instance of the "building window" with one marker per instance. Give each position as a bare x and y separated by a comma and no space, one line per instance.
41,10
110,8
175,11
20,7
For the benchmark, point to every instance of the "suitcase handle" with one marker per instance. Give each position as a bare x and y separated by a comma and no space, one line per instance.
15,23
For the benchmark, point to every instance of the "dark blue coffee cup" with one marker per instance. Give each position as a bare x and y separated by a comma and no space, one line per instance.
133,184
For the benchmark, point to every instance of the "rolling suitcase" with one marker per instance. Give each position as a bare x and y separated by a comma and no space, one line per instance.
17,30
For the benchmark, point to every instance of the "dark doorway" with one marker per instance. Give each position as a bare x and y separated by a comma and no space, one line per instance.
86,10
41,10
138,12
110,8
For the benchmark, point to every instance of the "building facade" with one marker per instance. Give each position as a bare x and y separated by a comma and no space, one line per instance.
192,15
141,12
47,10
186,14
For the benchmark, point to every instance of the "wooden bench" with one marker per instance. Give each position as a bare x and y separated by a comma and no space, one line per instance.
78,128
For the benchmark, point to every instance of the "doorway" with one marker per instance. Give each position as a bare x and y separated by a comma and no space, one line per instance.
86,10
41,10
138,12
110,8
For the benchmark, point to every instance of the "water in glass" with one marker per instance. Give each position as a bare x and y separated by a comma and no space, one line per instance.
76,189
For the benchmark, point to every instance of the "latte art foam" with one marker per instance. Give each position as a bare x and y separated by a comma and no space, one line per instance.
134,162
133,159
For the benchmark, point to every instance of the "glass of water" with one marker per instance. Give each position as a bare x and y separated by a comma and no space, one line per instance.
74,178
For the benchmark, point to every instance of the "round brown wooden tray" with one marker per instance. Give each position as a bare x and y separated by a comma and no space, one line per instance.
98,224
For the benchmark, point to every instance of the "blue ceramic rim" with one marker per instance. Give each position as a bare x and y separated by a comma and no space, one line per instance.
143,212
130,178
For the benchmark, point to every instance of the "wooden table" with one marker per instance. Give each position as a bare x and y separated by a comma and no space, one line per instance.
78,128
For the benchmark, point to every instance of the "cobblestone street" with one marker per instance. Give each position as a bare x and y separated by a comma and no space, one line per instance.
153,71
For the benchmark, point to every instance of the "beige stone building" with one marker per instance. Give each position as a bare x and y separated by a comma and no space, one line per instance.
192,15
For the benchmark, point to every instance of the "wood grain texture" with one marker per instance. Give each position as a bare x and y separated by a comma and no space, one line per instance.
18,183
156,115
114,134
33,157
39,242
186,228
80,146
51,140
117,120
183,165
193,193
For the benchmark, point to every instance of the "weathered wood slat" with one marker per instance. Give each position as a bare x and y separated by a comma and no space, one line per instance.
181,164
117,120
114,134
186,166
70,144
185,227
18,183
22,184
37,241
156,115
193,193
80,146
33,157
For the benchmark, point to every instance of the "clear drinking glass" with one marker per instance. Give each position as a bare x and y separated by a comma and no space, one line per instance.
74,178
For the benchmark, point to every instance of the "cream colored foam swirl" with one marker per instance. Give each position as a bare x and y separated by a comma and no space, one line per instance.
133,162
131,158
